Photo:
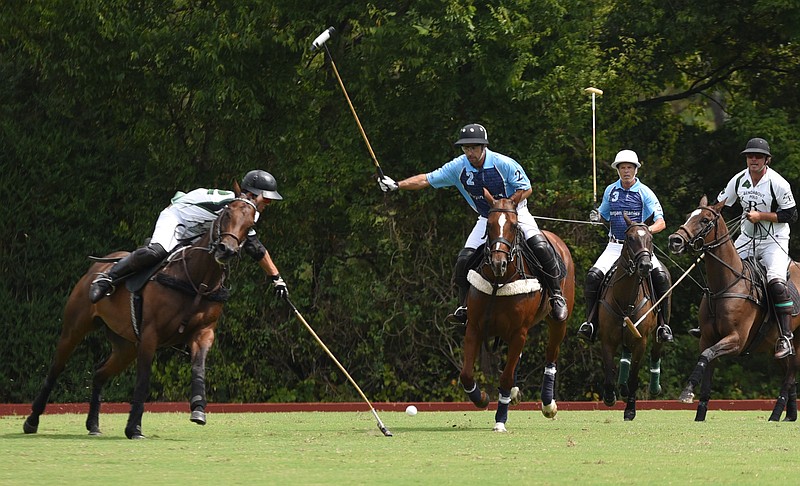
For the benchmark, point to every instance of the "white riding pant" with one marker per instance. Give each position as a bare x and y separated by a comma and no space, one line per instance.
524,218
772,253
170,228
611,254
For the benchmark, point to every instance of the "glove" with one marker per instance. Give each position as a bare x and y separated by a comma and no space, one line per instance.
279,286
594,216
387,184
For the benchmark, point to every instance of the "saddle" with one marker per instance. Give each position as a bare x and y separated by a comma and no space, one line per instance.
759,293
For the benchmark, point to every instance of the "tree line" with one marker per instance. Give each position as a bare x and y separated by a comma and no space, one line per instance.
109,107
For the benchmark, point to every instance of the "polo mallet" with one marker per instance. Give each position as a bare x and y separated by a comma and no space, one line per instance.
321,41
633,326
383,428
595,92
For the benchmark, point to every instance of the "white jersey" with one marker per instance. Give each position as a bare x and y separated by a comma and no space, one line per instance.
190,215
771,193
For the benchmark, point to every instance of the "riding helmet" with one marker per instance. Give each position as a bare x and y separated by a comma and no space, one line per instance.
757,146
261,183
626,156
473,134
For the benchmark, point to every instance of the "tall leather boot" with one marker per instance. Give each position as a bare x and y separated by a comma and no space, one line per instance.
141,258
591,294
661,285
459,316
546,255
783,308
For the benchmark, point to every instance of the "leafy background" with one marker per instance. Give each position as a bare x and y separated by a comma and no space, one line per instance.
107,107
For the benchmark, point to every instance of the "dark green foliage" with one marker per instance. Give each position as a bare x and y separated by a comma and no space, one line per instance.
109,107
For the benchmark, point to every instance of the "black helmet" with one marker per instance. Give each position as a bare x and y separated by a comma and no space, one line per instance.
757,146
473,134
261,183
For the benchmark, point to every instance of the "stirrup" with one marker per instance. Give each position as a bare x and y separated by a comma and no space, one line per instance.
666,331
784,347
695,332
586,332
459,316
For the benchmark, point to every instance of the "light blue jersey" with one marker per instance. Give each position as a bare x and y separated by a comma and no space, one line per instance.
639,203
500,174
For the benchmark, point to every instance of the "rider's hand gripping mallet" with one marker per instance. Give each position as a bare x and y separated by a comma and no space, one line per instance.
633,326
320,41
595,92
383,428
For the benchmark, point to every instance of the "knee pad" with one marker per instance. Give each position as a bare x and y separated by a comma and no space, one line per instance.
539,244
594,278
779,292
660,280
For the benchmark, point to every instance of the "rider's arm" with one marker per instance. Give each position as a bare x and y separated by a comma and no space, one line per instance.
414,183
781,216
521,195
658,225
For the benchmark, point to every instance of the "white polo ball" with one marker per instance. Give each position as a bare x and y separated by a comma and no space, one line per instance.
411,410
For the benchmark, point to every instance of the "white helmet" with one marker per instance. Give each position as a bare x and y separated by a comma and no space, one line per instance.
626,156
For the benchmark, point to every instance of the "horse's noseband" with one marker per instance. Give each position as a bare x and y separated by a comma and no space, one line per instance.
698,242
635,258
490,247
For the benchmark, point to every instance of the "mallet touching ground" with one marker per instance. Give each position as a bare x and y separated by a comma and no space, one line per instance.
320,41
383,428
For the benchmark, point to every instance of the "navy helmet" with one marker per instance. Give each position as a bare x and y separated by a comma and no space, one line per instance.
757,146
261,183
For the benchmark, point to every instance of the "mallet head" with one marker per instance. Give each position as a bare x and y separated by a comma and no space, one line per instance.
595,91
322,38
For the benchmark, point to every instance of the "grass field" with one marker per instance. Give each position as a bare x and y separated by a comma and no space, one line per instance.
659,447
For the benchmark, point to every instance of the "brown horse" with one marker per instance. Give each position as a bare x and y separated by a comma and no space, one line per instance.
734,319
180,307
505,300
629,294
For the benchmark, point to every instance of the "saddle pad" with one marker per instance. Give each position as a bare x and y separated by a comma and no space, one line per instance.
517,287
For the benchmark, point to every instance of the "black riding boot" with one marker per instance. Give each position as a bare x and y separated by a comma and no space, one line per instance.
783,309
546,255
591,294
459,316
141,258
661,285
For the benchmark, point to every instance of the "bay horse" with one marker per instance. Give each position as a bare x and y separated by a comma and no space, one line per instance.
734,317
629,293
180,306
505,300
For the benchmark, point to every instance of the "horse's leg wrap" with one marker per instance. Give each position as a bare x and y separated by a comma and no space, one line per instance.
624,367
699,369
474,393
548,383
655,376
791,404
502,406
133,429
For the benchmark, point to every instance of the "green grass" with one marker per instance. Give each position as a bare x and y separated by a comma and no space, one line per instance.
659,447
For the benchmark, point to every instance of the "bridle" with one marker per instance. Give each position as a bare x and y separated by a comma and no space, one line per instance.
493,246
635,257
216,226
698,242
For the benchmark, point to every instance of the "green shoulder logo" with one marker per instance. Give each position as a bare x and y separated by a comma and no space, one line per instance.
746,184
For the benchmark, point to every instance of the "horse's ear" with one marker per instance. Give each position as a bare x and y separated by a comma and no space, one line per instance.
718,207
236,188
704,200
488,196
628,220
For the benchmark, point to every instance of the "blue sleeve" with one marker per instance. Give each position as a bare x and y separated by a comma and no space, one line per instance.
448,174
513,173
650,205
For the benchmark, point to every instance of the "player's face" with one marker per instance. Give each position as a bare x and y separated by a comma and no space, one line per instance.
756,162
475,154
627,173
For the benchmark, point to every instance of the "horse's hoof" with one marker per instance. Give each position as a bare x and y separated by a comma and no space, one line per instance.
484,400
499,427
29,428
516,396
629,415
134,432
95,432
550,410
610,400
198,417
686,397
655,390
790,419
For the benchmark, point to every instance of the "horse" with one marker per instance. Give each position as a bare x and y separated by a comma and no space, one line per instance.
734,318
505,300
181,306
629,294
